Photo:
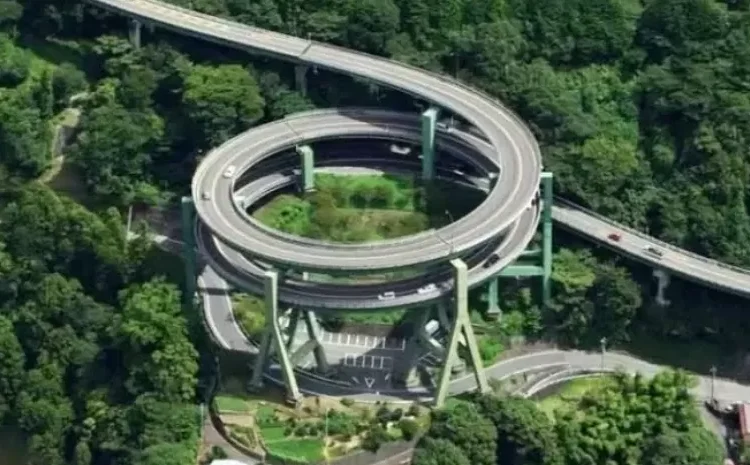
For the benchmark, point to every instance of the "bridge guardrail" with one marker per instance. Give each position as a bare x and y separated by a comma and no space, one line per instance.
652,239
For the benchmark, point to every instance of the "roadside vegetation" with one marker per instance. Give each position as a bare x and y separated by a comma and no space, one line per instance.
596,425
321,427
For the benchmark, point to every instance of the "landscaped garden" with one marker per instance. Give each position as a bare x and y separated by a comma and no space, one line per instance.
366,208
568,395
318,428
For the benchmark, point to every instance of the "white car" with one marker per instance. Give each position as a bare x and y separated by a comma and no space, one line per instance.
400,150
387,295
230,171
425,289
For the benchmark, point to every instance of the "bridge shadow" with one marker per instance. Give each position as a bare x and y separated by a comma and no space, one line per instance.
363,359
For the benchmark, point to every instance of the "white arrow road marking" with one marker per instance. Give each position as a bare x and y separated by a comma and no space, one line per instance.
369,382
387,376
356,381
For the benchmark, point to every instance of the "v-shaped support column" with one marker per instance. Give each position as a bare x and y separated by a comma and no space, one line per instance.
273,341
461,326
313,343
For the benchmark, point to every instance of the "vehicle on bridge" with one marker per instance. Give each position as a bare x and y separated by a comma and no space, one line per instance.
654,251
614,237
492,260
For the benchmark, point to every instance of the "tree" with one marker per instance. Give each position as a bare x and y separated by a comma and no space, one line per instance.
159,358
696,445
11,367
432,451
463,425
372,24
220,102
525,434
115,150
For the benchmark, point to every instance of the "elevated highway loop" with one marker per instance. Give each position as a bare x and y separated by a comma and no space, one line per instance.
504,130
505,133
684,263
246,273
504,204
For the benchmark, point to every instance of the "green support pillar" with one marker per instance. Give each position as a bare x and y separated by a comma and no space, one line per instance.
493,306
314,333
188,250
273,341
547,237
134,33
461,324
292,328
308,167
429,122
300,78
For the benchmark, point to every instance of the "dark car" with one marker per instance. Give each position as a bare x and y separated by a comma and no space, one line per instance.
614,237
654,251
492,260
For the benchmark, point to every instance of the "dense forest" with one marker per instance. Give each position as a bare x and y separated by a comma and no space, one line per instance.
628,420
641,109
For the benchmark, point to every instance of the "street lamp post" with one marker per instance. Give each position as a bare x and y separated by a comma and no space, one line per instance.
603,343
713,382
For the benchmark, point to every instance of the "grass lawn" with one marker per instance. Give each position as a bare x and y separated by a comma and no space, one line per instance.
569,393
227,403
273,433
304,449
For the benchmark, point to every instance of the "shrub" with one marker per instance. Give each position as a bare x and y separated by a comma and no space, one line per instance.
409,428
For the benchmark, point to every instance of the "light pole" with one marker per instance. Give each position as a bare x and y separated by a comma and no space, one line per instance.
713,382
603,342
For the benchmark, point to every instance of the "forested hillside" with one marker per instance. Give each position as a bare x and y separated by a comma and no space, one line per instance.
641,109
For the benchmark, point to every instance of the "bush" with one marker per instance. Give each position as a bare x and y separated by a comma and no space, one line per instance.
67,81
347,402
413,411
397,414
375,438
409,428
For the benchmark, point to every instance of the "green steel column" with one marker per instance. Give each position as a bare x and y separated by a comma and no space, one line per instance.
264,353
188,250
292,329
308,167
547,237
313,332
429,122
493,307
134,33
300,78
273,340
461,324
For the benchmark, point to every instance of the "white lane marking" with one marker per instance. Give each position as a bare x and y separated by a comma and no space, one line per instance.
369,382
